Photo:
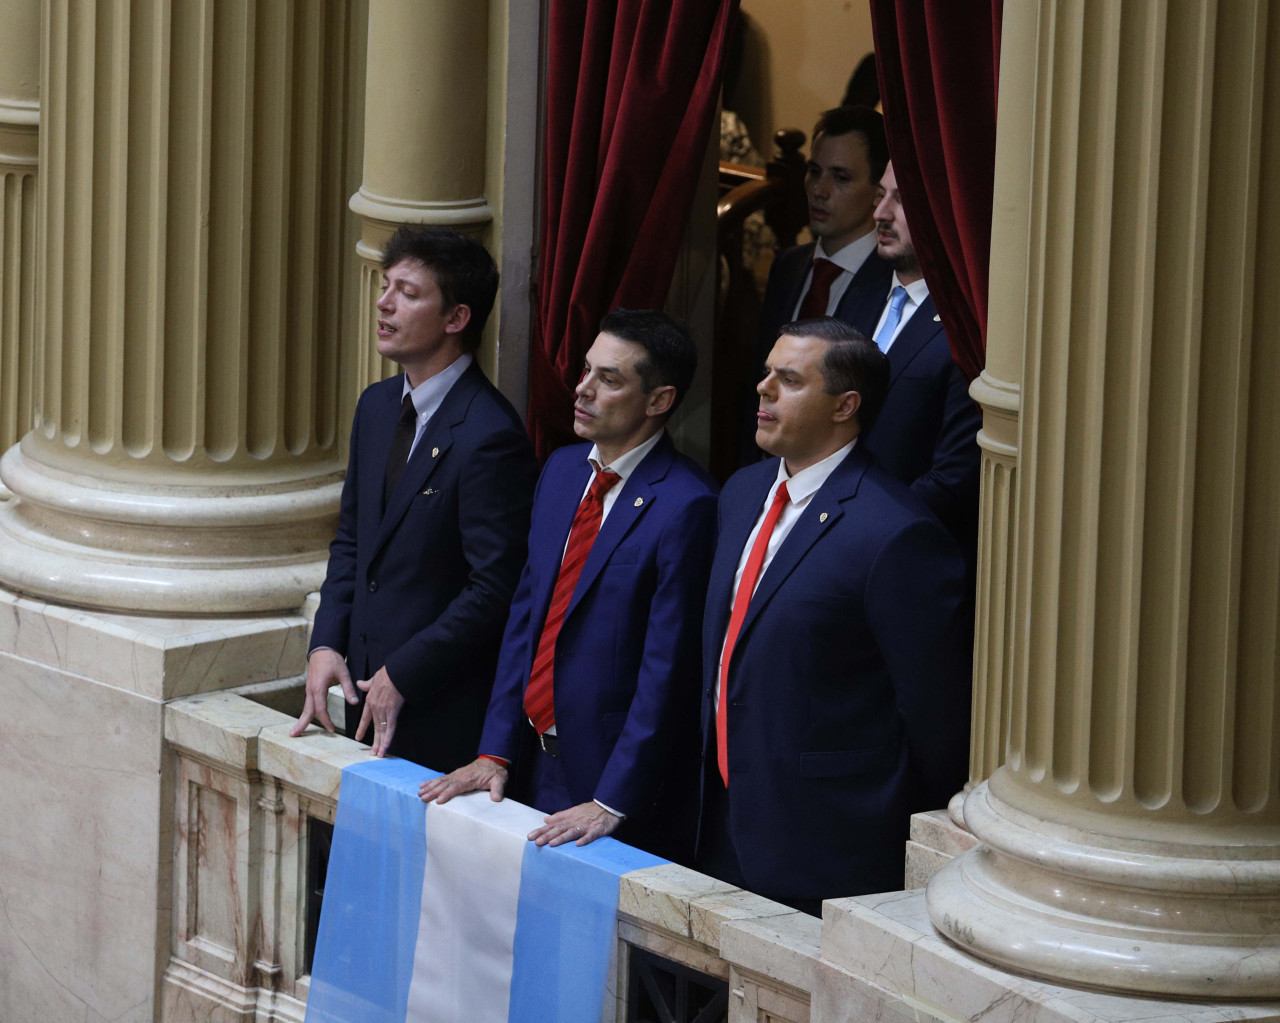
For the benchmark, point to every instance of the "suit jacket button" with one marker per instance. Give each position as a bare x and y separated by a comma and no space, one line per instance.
373,585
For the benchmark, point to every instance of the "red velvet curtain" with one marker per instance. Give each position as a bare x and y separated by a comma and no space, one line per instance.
632,89
938,63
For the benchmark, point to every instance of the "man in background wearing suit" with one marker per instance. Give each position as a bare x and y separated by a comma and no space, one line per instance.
836,695
839,273
433,519
927,432
597,681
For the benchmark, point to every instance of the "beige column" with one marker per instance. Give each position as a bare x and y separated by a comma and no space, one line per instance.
185,454
998,390
1132,839
426,101
19,133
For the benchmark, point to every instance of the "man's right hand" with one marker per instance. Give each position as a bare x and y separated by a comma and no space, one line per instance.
325,669
481,773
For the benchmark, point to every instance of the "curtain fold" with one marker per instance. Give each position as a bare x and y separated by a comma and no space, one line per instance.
632,91
938,63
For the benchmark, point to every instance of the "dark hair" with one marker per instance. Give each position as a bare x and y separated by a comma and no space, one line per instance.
867,123
463,270
852,362
670,356
863,89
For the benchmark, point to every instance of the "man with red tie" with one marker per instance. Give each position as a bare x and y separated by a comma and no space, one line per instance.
596,691
836,685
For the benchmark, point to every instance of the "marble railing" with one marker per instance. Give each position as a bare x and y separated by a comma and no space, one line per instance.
243,798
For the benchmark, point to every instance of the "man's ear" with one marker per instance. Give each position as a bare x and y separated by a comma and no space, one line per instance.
661,399
459,317
847,407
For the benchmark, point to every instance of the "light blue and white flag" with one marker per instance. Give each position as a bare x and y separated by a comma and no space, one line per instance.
448,914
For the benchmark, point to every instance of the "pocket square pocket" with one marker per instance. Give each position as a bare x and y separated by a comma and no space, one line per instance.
429,490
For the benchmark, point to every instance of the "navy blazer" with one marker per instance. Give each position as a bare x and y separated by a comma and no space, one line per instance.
423,589
627,657
927,432
848,686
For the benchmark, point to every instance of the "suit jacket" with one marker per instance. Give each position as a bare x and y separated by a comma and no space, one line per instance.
848,686
627,657
423,589
927,432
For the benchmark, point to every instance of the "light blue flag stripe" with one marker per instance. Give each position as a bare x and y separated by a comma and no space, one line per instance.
565,927
364,947
565,916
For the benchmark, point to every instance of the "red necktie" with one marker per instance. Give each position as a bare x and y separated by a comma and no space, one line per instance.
539,697
741,600
819,293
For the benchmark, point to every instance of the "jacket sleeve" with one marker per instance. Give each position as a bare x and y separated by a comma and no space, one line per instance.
950,486
332,626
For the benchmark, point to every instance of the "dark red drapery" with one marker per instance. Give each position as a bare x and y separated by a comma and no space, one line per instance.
939,62
632,88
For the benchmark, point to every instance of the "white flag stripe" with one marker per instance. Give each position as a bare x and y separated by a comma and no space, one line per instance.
462,964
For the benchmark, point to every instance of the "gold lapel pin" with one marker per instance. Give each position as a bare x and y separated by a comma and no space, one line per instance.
639,501
822,517
434,452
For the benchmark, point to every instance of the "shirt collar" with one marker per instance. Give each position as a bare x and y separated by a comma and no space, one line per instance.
804,484
917,291
625,464
429,394
852,256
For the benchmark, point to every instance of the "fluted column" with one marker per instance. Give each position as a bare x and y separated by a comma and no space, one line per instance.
425,123
185,452
1132,839
998,390
19,134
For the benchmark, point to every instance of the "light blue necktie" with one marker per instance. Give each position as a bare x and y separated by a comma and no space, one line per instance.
897,299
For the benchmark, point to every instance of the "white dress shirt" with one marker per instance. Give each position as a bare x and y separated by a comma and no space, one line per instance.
917,292
849,259
429,395
800,490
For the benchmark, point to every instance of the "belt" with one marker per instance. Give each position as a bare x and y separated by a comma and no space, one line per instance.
550,744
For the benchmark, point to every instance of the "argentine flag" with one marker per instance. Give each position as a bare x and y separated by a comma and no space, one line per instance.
448,914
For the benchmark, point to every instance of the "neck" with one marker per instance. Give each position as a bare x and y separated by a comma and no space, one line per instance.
798,463
610,453
831,246
906,277
419,371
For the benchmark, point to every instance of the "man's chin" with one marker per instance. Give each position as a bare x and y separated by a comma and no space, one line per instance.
766,438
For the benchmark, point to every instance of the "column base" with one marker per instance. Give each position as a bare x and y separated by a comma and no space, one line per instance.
167,549
1124,915
882,959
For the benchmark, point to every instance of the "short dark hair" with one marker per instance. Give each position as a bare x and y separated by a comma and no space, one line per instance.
852,362
670,356
867,123
463,270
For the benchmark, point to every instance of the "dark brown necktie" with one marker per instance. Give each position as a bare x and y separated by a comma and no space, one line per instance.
401,444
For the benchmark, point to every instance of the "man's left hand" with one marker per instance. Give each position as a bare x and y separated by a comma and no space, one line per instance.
381,708
585,822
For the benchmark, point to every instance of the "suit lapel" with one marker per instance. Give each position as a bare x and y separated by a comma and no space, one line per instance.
919,331
864,299
797,284
636,498
563,497
737,521
432,446
820,515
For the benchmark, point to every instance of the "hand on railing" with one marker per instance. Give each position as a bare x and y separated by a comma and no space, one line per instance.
481,773
325,669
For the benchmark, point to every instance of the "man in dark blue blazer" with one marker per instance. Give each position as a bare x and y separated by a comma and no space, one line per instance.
433,519
614,648
927,432
839,273
836,698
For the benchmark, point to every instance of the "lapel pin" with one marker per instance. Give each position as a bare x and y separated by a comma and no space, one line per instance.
434,452
937,318
639,501
822,517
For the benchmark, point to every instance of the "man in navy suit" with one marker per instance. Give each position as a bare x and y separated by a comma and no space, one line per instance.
598,675
838,273
433,519
926,434
836,698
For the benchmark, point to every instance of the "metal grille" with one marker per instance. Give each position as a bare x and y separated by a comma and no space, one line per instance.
662,991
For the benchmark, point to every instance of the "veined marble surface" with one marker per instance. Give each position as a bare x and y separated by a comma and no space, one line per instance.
161,658
882,954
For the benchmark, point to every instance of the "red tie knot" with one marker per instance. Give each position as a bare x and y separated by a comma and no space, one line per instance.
604,480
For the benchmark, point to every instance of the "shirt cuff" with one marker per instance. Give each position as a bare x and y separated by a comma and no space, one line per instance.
315,648
606,806
497,760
